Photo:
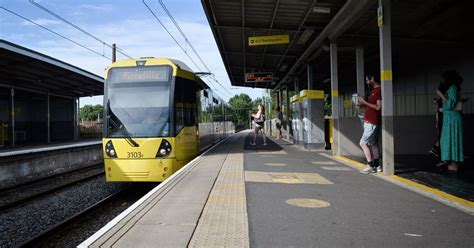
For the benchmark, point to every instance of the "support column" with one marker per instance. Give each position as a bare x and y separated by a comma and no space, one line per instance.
309,70
280,98
385,38
76,119
297,85
360,71
334,99
12,115
48,119
289,131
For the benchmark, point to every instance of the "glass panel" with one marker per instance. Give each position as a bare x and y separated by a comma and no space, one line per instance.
185,103
138,105
61,118
5,117
30,118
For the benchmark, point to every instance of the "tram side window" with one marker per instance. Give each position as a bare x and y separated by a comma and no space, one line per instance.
185,103
202,105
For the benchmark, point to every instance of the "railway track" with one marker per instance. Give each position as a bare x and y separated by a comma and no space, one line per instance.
24,193
41,237
56,235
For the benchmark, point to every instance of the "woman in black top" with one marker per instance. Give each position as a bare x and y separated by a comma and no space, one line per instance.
259,122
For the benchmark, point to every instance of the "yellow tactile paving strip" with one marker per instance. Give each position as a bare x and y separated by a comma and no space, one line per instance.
224,222
285,177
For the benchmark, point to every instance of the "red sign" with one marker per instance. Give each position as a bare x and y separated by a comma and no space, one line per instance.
259,77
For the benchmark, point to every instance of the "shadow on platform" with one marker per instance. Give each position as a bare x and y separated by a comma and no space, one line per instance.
422,169
271,145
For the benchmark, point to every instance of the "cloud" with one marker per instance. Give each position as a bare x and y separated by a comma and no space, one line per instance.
138,37
42,22
97,7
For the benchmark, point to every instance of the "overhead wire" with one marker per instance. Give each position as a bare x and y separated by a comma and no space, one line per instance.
190,44
169,33
77,27
183,49
174,38
182,33
49,30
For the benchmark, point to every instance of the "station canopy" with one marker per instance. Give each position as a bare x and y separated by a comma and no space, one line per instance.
266,43
21,67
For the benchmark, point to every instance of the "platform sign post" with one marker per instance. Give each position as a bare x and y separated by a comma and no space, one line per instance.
385,38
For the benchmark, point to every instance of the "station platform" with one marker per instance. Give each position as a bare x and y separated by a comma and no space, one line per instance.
24,150
238,195
26,164
422,169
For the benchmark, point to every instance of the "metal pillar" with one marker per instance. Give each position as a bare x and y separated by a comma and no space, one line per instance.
334,99
309,70
114,53
48,119
287,108
297,85
385,36
76,119
360,71
12,115
280,98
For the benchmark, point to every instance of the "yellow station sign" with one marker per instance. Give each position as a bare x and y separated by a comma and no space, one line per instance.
269,40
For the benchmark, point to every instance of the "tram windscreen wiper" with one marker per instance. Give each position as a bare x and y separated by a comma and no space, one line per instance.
125,133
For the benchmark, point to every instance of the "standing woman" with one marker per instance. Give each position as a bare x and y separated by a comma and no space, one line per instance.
451,133
259,119
278,121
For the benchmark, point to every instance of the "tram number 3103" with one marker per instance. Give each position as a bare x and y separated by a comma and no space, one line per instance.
134,155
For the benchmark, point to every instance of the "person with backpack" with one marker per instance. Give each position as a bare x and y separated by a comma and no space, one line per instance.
259,123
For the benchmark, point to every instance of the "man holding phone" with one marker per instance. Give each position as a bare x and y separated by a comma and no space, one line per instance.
372,123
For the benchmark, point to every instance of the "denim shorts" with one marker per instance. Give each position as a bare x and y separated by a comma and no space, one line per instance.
370,135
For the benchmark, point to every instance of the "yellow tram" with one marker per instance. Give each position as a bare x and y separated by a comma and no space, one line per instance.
158,116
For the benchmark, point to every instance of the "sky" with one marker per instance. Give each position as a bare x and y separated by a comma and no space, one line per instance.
127,23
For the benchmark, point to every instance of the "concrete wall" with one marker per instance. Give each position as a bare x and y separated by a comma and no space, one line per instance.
412,135
20,169
350,129
415,82
422,76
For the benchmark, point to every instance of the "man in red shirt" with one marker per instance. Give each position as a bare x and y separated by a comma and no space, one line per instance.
372,123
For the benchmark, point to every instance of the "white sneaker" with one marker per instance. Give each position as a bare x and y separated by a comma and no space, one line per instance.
368,170
379,168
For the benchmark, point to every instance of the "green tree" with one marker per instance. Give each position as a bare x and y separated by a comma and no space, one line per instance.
91,112
327,105
241,105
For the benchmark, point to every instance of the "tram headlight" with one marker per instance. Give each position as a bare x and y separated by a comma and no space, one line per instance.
110,150
164,149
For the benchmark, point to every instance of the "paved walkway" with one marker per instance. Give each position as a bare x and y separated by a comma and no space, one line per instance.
304,199
279,195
